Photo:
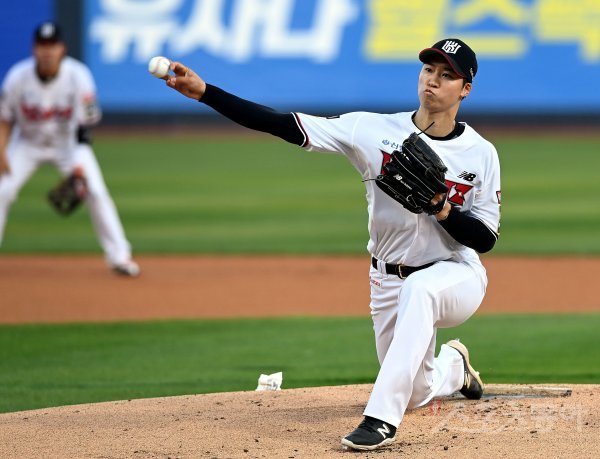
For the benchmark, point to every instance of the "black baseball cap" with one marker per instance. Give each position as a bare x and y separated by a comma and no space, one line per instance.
457,53
47,32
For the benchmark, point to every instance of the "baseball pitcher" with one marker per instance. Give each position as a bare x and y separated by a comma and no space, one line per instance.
433,192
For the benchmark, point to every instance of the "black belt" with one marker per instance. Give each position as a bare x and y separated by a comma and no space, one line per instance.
402,271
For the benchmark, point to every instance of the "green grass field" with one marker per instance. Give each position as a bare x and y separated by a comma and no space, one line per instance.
261,195
51,365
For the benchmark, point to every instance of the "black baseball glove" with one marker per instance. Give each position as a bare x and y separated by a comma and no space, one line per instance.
414,175
69,193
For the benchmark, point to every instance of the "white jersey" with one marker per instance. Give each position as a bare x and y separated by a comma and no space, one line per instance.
397,235
47,114
45,117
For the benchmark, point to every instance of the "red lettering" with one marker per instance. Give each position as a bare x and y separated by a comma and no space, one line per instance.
35,113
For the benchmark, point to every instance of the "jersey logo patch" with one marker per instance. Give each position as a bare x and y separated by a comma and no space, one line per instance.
457,192
468,176
386,159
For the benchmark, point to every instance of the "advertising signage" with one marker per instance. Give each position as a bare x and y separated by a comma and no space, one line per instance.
322,55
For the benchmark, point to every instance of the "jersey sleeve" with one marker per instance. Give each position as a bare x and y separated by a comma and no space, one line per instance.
8,97
329,135
486,206
88,110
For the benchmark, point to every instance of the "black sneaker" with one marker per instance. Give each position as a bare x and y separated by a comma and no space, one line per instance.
370,434
473,386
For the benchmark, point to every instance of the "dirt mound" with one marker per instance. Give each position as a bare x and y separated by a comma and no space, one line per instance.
510,421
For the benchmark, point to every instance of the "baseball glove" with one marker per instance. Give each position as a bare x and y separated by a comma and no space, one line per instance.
414,175
69,193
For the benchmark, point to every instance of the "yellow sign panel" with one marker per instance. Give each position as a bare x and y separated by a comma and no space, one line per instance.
397,31
565,21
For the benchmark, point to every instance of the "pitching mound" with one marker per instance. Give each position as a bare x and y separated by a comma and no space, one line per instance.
511,421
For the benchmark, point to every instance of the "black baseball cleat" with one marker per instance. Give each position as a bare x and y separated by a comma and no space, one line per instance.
370,434
473,386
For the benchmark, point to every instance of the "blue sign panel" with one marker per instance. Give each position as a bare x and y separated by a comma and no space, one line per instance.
17,23
317,55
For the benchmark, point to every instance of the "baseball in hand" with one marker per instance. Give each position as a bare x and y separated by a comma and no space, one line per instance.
159,66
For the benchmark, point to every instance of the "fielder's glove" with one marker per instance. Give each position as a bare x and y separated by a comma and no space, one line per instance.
414,175
69,193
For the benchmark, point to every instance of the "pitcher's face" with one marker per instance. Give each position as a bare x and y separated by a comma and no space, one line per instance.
440,88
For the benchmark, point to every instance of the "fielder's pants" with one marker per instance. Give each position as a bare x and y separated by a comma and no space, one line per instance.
25,159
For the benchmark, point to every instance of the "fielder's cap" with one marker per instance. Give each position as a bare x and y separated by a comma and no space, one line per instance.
457,53
47,32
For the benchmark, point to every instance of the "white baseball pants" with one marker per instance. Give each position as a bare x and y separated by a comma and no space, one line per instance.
25,159
406,315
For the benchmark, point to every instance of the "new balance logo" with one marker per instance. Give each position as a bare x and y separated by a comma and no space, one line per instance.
384,431
467,176
450,47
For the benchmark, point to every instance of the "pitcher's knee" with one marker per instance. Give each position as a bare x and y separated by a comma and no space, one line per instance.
421,394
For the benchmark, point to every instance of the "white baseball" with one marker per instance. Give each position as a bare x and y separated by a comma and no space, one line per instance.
159,66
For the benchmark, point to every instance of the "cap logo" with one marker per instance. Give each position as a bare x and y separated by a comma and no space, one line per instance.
450,47
47,30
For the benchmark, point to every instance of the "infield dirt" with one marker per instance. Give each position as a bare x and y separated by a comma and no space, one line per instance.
74,289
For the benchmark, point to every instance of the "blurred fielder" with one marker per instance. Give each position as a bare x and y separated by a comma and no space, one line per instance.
48,104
